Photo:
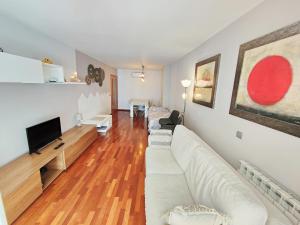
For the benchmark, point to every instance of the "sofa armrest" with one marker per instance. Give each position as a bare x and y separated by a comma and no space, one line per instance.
165,121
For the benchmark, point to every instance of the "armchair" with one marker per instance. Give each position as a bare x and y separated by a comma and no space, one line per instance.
171,122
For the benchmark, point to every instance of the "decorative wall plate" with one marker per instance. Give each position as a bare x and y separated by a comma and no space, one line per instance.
90,70
88,80
95,75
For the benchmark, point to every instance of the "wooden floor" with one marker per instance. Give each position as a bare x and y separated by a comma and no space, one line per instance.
104,186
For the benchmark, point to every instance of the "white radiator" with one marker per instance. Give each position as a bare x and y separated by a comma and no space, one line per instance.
280,196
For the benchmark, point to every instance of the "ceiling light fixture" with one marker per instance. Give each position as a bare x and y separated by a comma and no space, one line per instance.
140,75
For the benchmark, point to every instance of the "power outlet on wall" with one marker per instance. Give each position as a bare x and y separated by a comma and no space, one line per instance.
239,134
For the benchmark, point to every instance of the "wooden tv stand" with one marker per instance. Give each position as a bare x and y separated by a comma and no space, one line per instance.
21,181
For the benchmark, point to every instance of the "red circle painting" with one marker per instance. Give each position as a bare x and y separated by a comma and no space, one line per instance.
269,80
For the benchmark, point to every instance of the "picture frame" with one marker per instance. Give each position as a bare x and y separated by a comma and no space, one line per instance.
206,79
267,81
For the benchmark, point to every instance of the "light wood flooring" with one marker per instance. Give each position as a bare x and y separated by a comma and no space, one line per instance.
104,186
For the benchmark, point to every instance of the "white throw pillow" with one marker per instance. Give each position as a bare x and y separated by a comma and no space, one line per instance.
196,215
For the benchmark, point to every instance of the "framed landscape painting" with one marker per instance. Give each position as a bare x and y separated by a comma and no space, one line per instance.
206,77
267,81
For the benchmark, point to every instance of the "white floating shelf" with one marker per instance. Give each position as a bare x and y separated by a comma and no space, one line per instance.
78,83
66,83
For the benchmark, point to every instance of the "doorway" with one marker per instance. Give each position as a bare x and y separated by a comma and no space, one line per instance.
114,92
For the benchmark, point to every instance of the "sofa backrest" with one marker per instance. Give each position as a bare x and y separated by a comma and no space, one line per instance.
213,183
182,144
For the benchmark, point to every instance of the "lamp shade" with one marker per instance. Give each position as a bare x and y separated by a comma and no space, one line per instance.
186,83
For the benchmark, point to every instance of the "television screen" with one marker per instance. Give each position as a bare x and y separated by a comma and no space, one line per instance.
40,135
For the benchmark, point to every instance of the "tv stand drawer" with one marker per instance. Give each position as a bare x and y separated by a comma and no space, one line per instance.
74,151
18,200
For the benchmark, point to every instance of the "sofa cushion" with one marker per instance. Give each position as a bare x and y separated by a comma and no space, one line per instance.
159,140
213,183
162,193
160,147
161,132
182,145
197,215
161,162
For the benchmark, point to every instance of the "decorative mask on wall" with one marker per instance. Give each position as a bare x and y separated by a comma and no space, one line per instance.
95,75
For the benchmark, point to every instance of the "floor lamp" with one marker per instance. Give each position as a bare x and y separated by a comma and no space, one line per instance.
185,84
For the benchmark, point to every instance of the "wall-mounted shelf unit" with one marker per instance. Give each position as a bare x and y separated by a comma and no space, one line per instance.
19,69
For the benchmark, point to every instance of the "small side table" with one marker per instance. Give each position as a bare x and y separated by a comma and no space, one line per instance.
102,122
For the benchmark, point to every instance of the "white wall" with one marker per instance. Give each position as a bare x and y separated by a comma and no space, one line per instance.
275,152
23,105
104,97
82,62
3,220
18,39
134,88
166,85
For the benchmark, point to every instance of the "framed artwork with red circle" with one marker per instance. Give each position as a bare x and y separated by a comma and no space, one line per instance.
267,81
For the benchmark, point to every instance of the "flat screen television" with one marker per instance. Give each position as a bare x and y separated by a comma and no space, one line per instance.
40,135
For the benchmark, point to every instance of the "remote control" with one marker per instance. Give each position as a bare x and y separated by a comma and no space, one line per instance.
58,146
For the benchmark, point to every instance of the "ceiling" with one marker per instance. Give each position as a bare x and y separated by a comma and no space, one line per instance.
128,33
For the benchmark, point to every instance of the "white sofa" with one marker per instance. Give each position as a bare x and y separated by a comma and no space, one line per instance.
190,172
156,113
